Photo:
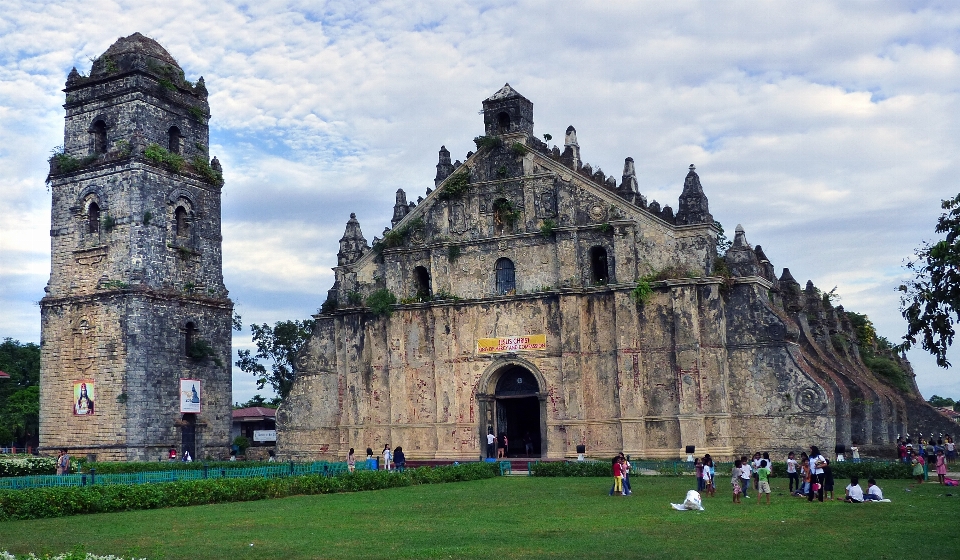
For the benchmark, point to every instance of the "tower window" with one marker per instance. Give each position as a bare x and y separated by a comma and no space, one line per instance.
173,140
99,137
506,277
598,265
93,218
181,225
190,337
503,122
421,280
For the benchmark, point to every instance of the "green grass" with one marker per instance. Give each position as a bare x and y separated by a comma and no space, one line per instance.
514,517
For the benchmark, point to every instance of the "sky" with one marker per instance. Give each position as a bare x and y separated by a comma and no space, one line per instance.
828,130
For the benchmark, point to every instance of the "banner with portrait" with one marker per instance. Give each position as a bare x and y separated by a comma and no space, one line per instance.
190,396
83,397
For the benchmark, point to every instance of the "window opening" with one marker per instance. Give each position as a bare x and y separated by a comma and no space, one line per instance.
181,225
506,277
93,217
191,337
174,140
598,265
99,137
421,279
503,122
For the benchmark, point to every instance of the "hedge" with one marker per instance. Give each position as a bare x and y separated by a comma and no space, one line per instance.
38,503
147,466
575,468
844,469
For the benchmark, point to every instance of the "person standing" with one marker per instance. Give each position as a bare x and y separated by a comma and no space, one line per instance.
625,468
399,460
63,462
792,473
763,481
351,461
617,477
745,475
502,446
491,444
817,462
951,449
735,481
941,466
917,463
386,457
698,471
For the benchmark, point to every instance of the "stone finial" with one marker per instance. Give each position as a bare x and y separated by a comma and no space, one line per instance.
215,165
693,208
611,183
73,77
352,244
654,207
201,87
790,292
444,167
400,209
667,214
741,259
587,170
766,266
629,189
571,150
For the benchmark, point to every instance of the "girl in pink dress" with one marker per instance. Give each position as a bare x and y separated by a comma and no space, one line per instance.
941,466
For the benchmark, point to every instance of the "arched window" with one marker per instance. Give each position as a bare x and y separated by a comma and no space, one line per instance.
99,137
93,218
598,265
181,225
503,122
190,337
506,278
421,281
174,137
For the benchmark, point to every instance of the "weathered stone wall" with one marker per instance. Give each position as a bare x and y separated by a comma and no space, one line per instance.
128,290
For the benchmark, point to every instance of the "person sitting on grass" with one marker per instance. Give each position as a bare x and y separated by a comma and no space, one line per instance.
763,481
874,494
854,492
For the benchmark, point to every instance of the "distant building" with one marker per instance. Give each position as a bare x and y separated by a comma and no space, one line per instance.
257,423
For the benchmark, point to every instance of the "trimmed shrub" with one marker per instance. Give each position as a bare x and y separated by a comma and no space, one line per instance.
38,503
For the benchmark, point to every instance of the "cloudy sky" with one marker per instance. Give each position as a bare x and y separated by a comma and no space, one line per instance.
829,130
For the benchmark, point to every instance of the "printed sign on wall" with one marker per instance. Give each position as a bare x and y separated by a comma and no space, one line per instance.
83,397
190,396
512,343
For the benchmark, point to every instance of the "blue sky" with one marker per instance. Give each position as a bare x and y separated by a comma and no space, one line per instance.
829,130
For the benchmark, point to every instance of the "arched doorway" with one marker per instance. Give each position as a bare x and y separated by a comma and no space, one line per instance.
517,405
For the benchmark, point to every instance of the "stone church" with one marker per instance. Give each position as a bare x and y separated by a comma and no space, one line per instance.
136,321
530,295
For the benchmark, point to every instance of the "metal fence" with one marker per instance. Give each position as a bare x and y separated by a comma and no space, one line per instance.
271,470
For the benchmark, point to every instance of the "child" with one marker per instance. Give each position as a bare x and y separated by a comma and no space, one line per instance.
854,492
698,470
745,475
617,477
712,486
805,474
917,463
707,479
755,465
828,479
941,466
735,481
873,492
792,471
763,481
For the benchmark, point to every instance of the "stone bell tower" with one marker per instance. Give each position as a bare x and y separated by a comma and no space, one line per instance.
136,322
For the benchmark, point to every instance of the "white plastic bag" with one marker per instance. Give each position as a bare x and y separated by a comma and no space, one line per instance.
692,502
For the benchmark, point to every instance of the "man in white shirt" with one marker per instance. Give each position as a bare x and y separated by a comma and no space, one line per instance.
746,472
817,461
491,445
873,492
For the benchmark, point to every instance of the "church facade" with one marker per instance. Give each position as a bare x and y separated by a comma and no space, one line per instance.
531,296
136,321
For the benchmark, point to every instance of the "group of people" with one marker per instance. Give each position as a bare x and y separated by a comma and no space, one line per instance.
928,454
392,460
501,445
621,476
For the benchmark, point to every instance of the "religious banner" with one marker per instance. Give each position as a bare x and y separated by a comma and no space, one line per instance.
190,396
512,344
83,397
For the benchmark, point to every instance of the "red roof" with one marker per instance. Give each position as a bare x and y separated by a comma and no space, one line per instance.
254,412
4,375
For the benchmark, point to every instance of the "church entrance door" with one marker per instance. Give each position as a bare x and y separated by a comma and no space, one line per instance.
518,412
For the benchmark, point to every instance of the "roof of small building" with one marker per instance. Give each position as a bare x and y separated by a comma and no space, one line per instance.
138,43
4,375
506,92
254,412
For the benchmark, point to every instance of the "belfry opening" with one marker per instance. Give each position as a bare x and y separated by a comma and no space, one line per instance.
518,412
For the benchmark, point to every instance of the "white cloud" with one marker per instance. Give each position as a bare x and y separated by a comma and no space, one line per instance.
827,129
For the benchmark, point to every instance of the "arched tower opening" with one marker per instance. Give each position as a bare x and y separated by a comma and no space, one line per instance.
518,412
99,131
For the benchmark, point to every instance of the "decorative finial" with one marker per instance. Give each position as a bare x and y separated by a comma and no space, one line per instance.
692,168
353,216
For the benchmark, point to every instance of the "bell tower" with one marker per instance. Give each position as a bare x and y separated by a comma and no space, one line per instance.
136,321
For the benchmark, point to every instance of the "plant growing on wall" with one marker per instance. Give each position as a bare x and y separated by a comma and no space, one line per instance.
453,253
504,213
455,186
642,293
381,301
158,154
201,350
548,228
487,142
518,149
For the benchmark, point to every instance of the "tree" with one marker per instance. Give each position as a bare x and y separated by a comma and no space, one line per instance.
19,395
942,402
279,345
931,301
258,400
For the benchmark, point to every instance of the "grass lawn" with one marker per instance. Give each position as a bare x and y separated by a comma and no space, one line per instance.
517,517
